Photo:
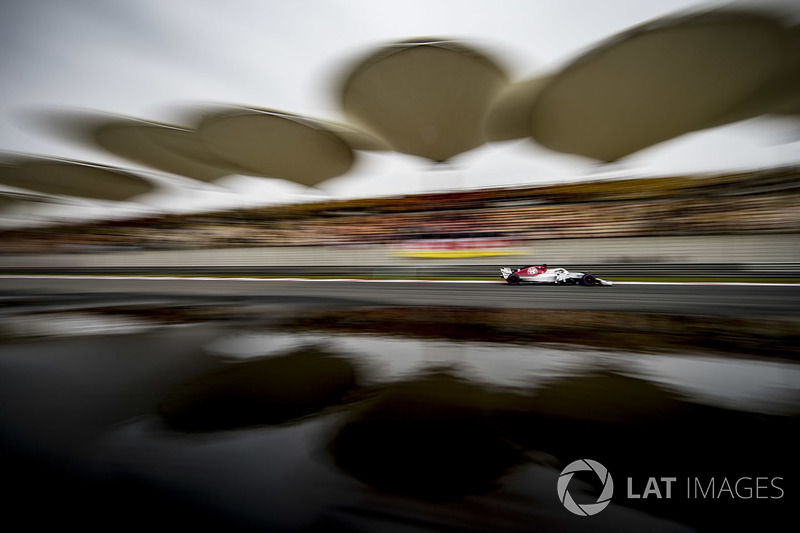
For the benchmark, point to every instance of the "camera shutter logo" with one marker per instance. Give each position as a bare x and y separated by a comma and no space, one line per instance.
588,509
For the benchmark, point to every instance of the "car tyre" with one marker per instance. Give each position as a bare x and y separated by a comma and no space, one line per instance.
513,279
588,280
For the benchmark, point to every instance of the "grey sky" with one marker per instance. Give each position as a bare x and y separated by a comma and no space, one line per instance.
152,58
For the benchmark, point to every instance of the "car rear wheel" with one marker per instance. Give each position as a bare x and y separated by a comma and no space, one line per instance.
588,280
513,279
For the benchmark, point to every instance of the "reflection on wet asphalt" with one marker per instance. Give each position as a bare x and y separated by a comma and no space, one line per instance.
215,426
430,437
260,392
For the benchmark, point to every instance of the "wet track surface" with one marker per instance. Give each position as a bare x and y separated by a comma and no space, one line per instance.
726,300
264,423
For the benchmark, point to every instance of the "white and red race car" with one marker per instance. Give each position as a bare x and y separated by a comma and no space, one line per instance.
550,276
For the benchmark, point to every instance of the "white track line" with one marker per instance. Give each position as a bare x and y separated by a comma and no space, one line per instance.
207,278
359,280
730,283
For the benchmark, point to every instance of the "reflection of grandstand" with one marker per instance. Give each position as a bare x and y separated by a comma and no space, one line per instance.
757,202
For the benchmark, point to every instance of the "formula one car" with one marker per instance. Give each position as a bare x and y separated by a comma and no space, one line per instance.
550,276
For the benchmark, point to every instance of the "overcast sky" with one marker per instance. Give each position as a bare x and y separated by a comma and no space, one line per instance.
152,58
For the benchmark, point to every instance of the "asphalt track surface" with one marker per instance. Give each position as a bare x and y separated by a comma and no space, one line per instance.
687,299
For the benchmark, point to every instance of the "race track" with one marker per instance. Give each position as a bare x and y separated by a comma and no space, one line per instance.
463,426
723,300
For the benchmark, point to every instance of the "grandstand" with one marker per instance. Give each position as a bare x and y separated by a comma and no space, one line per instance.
766,201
